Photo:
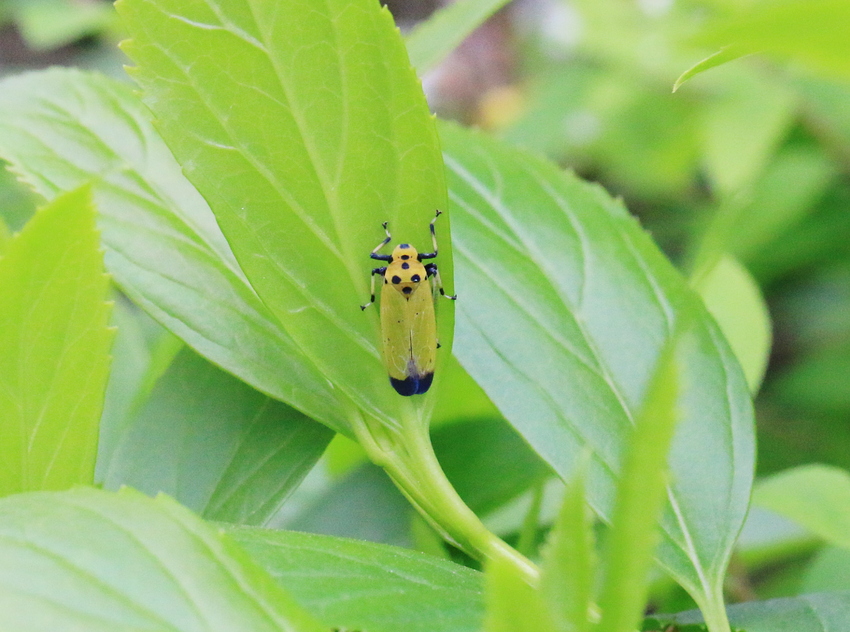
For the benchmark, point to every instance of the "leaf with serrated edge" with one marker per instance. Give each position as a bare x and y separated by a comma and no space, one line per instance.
303,140
99,561
365,586
60,128
54,348
220,447
565,305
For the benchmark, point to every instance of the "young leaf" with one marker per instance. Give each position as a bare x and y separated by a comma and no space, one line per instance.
640,496
221,448
433,40
513,605
816,497
305,127
566,306
568,572
54,348
60,128
364,586
98,561
810,32
723,56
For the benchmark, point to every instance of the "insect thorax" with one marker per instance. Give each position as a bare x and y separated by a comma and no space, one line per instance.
405,272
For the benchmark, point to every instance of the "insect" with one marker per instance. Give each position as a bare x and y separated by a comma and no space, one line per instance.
408,322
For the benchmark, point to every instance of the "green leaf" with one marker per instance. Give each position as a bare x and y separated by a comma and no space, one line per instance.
810,32
17,202
5,236
745,121
221,448
303,140
140,354
363,586
47,24
816,497
824,612
564,307
568,571
818,382
641,489
432,40
61,128
97,561
824,105
733,297
744,224
461,397
724,55
829,570
513,605
54,348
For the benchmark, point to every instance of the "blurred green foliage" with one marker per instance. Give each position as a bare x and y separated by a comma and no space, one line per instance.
750,158
747,162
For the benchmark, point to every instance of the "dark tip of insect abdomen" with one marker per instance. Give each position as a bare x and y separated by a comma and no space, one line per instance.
412,385
425,382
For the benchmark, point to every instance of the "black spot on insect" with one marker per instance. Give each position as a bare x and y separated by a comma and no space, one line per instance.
405,257
407,290
405,266
396,280
416,278
404,246
385,281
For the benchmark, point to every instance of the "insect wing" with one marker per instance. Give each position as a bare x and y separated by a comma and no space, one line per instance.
410,339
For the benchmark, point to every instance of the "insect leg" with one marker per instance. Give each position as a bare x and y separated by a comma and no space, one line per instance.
431,255
382,272
374,254
431,269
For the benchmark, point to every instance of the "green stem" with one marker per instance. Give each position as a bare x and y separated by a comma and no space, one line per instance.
408,457
714,613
